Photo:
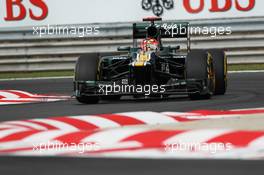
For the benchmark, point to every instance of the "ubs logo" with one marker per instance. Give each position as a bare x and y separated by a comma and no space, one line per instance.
157,6
213,6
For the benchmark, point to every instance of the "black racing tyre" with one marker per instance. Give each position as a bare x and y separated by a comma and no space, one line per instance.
220,66
199,65
112,97
86,70
87,99
86,67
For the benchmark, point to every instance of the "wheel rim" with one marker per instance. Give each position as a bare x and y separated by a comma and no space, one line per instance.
210,74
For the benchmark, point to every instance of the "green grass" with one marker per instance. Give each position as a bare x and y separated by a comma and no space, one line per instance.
241,67
35,74
238,67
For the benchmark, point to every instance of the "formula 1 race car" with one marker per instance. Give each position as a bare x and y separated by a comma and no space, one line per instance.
150,69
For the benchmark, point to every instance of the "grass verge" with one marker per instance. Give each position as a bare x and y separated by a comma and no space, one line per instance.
245,67
10,75
36,74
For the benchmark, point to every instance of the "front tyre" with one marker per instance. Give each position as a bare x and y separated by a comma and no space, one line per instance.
87,99
86,70
112,97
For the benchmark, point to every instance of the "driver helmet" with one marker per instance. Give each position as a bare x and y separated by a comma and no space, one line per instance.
149,44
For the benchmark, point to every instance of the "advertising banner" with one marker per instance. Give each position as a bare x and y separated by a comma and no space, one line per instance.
21,13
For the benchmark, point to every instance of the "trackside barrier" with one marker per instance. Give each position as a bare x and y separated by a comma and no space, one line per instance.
21,50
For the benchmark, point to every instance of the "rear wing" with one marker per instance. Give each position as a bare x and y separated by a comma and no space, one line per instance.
166,30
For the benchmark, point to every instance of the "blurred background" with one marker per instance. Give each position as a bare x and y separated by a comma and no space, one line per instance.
22,49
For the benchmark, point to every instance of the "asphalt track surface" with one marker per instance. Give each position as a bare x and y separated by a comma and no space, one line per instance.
245,90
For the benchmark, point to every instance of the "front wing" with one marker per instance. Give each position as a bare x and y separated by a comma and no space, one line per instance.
99,88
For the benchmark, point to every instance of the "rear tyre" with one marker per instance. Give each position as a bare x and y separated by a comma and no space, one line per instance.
220,66
86,70
199,65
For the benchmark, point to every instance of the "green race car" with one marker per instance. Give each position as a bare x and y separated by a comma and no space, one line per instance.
151,69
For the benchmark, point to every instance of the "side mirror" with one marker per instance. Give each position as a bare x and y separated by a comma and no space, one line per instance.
123,49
